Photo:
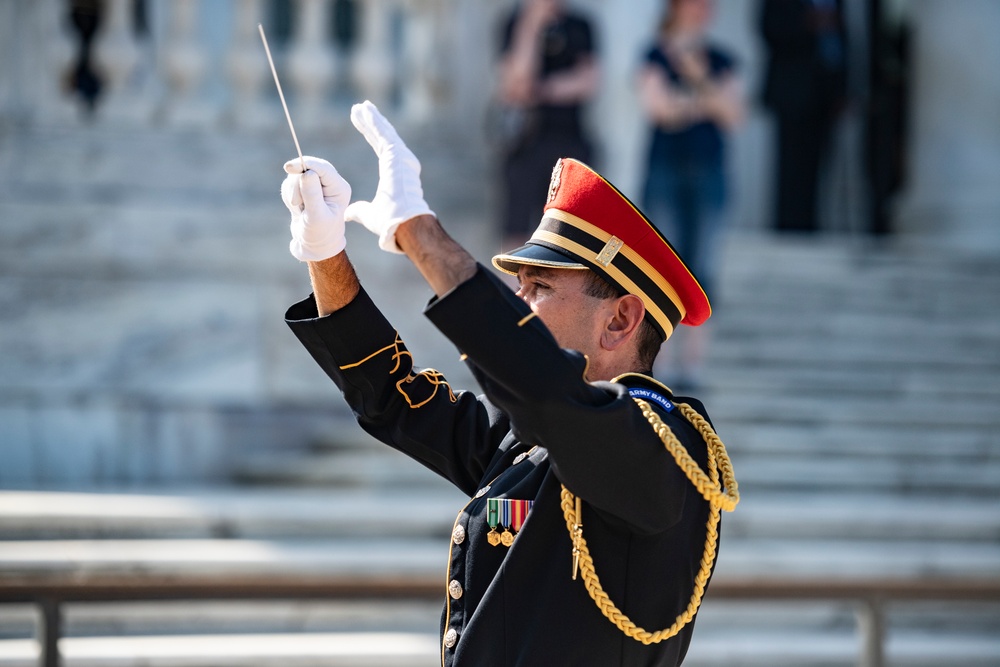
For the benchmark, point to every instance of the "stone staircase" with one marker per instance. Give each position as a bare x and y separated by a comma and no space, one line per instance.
855,387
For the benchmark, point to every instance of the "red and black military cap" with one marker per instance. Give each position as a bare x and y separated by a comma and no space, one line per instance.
588,224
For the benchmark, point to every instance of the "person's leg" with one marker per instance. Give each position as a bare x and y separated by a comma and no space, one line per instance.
692,197
798,153
707,227
515,206
661,204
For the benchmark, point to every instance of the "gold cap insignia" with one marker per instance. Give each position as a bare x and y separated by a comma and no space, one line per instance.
554,182
609,251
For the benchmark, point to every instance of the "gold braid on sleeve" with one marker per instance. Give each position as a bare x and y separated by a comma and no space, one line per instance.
719,497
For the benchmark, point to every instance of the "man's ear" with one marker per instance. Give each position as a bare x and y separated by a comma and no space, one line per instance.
625,317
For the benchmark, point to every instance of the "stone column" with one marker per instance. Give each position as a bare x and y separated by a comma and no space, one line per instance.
312,64
185,63
372,64
420,77
117,54
952,194
53,101
248,70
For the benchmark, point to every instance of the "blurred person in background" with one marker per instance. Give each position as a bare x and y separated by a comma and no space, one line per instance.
548,70
692,98
805,87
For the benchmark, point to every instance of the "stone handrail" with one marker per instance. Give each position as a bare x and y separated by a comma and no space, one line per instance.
171,75
51,591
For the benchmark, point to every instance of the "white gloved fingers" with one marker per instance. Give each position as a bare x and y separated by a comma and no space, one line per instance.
316,199
383,138
291,194
362,212
317,228
378,132
373,217
399,196
313,201
294,166
336,191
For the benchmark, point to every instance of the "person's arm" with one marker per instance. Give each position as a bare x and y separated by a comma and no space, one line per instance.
722,101
413,410
398,213
718,99
442,262
334,283
602,447
666,105
573,86
522,58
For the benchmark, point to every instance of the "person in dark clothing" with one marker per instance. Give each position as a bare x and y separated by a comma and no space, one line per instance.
804,87
692,98
586,477
548,71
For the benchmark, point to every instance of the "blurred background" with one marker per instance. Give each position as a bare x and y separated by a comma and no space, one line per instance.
158,420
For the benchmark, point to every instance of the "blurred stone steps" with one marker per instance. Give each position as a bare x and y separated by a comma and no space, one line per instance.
424,557
932,473
302,514
228,514
756,649
855,386
173,279
375,649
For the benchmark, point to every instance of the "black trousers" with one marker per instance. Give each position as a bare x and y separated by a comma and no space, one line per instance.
803,140
526,175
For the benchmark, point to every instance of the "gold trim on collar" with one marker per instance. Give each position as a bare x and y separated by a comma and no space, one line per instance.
650,378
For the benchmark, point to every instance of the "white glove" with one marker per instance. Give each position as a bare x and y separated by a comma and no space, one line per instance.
317,200
399,196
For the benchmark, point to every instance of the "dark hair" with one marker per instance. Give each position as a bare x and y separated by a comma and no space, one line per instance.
648,339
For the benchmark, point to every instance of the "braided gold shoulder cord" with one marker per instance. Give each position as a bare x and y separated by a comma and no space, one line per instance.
708,487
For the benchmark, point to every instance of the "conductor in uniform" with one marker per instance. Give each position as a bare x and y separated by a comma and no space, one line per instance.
592,524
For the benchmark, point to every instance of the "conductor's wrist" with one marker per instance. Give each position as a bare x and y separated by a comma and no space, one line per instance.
413,231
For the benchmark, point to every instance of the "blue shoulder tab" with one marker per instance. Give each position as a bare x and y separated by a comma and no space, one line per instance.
650,395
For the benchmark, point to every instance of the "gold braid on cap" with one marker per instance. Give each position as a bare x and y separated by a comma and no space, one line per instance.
719,498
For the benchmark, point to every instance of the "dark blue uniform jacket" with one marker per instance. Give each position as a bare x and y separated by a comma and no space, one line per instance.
644,522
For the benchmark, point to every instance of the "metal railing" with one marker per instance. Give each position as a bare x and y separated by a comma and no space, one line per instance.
51,592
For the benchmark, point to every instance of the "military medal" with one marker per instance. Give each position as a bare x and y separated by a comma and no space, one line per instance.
508,513
506,537
493,518
519,512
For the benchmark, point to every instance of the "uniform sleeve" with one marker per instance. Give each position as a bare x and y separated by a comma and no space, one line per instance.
417,412
600,445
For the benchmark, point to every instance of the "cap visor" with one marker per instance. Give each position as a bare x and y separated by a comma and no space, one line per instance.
534,255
